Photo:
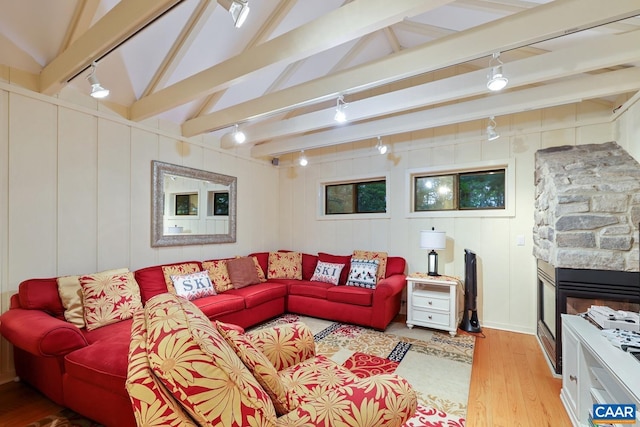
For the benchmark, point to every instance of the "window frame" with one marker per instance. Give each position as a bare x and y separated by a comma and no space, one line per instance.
509,210
321,197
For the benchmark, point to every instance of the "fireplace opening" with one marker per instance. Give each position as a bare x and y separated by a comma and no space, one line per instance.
573,291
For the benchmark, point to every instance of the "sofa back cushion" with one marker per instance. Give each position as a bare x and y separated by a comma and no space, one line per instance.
41,294
196,365
395,265
285,265
242,272
371,255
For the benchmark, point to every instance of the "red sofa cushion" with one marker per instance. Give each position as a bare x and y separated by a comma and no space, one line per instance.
255,295
351,295
338,259
310,289
221,304
103,363
395,265
151,280
41,294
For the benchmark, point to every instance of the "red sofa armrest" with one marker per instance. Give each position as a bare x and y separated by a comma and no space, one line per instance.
285,345
40,333
389,287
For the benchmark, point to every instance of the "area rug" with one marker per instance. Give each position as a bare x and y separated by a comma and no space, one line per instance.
437,365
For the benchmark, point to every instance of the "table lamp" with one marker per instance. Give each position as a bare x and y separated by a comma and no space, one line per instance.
434,240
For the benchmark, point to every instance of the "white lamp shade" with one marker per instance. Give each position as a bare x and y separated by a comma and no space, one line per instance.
431,239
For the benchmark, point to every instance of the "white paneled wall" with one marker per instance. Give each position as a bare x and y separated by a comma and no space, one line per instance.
75,193
507,277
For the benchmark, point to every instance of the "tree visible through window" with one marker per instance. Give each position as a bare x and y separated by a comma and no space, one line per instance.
356,197
460,191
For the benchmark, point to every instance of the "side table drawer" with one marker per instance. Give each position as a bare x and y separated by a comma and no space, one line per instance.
431,317
422,299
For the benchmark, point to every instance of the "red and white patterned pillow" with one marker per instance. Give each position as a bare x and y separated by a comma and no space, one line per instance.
193,286
109,299
327,272
285,265
363,273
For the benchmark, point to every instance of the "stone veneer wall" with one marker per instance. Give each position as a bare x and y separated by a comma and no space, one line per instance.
587,207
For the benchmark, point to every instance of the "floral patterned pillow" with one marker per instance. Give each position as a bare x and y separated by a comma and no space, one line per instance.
363,273
261,275
285,265
327,272
261,368
178,270
193,286
109,299
219,274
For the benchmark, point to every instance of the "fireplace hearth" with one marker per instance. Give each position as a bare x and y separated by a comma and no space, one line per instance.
573,291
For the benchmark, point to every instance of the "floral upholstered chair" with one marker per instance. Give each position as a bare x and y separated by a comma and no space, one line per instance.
186,371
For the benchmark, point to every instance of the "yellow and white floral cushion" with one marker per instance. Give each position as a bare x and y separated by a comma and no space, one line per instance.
70,293
109,299
380,256
261,368
219,274
199,369
285,265
261,275
178,270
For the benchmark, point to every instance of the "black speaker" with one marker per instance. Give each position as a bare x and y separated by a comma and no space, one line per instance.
470,322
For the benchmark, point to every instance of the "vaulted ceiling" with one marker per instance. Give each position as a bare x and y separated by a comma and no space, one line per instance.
400,65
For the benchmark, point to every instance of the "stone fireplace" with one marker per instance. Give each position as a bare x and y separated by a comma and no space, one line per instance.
587,211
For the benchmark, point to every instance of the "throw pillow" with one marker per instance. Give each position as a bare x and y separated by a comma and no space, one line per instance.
242,272
178,270
70,293
261,275
219,274
363,273
380,256
285,265
327,272
109,299
261,368
338,259
193,286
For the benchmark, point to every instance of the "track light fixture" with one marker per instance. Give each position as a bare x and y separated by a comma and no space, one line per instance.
382,148
340,115
97,91
239,10
492,134
302,160
496,80
238,136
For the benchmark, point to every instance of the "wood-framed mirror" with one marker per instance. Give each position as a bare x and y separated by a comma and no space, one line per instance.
191,206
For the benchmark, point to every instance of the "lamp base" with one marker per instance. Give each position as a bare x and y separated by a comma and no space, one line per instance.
433,263
433,273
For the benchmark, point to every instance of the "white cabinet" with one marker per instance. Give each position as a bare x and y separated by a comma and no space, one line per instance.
434,302
594,371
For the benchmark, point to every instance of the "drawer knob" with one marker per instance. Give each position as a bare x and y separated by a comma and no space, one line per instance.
430,317
430,303
573,378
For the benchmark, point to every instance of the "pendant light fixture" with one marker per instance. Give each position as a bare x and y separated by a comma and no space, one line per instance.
239,10
97,91
496,80
492,134
340,115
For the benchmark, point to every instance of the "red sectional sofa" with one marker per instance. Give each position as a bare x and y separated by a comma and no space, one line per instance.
86,370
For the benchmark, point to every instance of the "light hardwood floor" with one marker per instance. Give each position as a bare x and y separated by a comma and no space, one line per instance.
511,385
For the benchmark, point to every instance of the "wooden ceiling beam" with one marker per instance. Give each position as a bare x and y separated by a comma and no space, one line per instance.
522,29
576,90
346,23
599,54
121,22
80,22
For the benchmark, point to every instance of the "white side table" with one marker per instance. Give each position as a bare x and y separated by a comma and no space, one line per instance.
434,302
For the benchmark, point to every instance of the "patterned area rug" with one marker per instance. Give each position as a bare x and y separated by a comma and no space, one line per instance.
437,365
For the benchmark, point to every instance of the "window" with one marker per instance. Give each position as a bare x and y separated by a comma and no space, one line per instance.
218,203
186,204
480,189
470,190
356,197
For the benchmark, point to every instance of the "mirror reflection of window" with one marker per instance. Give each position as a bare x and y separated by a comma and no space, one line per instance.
186,204
218,203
